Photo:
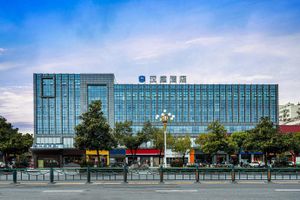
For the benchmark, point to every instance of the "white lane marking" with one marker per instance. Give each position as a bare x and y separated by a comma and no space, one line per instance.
63,191
167,191
287,190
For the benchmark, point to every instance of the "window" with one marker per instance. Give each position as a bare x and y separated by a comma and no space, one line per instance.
68,142
48,87
99,92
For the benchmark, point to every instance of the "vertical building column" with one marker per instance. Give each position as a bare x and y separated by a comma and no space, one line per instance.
227,158
151,161
138,159
214,160
61,164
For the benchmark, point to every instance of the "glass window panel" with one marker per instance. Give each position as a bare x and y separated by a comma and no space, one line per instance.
99,92
48,87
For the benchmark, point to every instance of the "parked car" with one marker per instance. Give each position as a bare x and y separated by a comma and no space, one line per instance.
116,164
262,164
257,164
9,165
2,165
254,164
244,163
291,163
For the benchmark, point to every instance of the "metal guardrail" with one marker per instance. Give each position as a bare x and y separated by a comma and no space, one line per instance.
126,174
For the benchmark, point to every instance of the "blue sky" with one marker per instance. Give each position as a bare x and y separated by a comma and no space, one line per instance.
209,41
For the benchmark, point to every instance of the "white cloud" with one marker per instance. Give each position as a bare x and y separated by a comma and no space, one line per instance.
260,49
204,41
252,78
9,65
16,105
2,50
153,48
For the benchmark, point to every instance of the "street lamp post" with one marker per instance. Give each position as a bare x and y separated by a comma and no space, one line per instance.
165,118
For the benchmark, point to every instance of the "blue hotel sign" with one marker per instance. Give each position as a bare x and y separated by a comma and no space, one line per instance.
163,79
142,79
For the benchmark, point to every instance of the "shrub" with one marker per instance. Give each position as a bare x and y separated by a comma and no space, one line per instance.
85,163
176,163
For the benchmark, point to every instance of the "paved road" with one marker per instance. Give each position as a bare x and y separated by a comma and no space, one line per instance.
154,191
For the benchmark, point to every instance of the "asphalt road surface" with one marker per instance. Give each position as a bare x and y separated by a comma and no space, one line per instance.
151,191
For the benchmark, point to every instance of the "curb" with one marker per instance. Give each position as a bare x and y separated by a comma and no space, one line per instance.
8,183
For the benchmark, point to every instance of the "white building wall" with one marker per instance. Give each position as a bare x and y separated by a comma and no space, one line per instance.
291,113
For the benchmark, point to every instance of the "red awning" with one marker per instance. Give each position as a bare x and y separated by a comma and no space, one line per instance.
144,152
289,128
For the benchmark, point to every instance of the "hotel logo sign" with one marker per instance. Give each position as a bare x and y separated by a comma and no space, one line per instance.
182,79
173,79
153,79
142,79
164,79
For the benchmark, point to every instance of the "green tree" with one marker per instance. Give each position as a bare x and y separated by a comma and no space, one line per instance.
125,136
265,138
183,146
21,144
239,139
121,130
94,133
148,130
158,141
11,141
6,133
216,140
292,140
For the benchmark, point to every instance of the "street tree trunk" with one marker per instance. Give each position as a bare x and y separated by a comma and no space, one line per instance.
135,150
98,157
267,159
160,152
132,155
5,159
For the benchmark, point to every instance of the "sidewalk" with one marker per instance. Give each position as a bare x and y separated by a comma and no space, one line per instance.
5,183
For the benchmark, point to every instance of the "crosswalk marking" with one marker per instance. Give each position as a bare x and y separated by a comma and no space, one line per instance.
167,191
63,191
287,190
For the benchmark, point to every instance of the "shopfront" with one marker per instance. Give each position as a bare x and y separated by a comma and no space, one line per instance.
143,157
45,158
91,156
117,157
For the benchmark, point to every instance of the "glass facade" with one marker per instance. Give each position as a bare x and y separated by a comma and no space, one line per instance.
238,107
99,92
57,104
59,99
48,87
